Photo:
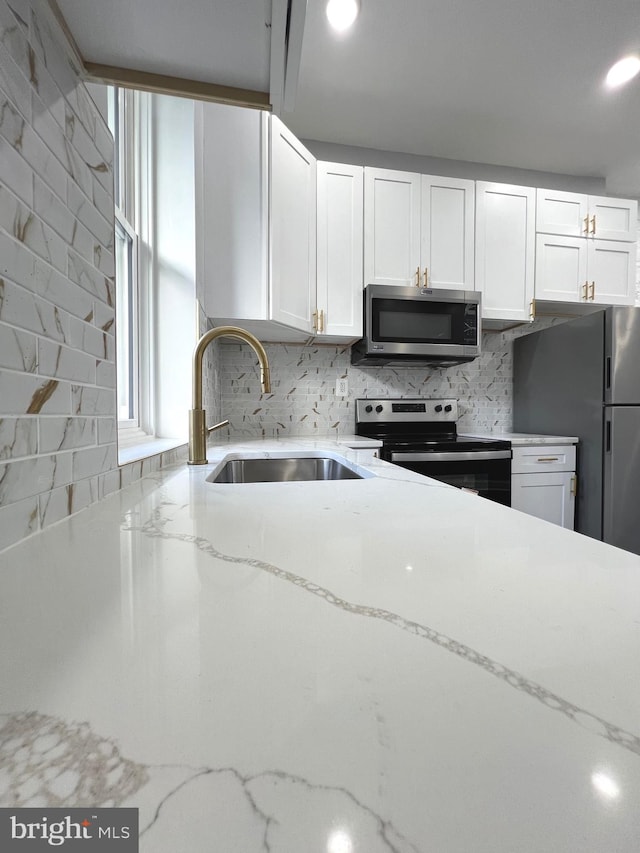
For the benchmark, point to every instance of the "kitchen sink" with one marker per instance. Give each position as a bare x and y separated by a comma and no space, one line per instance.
283,470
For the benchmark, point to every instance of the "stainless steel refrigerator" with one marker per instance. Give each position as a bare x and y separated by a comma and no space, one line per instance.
582,378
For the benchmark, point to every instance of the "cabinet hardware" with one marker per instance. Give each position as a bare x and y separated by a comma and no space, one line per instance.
574,486
593,291
315,320
426,277
586,225
585,290
548,458
593,224
417,276
321,321
532,309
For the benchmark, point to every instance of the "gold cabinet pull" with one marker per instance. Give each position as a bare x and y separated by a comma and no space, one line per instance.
321,321
593,291
315,320
548,458
417,276
532,309
574,486
585,290
593,224
586,225
426,277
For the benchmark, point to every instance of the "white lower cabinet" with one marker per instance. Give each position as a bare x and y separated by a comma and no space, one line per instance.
543,482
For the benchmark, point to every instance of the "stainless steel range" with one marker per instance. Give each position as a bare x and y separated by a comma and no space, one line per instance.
421,434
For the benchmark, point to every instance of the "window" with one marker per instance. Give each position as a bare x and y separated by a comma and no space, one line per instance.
154,199
122,122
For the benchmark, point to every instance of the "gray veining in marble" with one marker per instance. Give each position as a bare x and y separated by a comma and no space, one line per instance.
155,527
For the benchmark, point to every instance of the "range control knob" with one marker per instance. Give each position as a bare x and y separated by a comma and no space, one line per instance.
448,408
368,408
378,408
438,408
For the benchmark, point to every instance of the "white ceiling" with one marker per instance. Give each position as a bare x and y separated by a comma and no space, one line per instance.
509,82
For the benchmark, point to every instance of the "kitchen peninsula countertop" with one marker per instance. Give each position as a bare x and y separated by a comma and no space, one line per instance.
384,664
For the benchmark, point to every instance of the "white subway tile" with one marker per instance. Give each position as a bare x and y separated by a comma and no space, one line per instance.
65,363
19,307
107,430
18,437
60,503
22,393
94,461
29,477
65,433
18,520
92,401
18,350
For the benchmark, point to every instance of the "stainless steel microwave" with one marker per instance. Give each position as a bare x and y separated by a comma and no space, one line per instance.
413,326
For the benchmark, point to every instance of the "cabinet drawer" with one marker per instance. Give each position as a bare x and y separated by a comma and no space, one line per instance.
541,458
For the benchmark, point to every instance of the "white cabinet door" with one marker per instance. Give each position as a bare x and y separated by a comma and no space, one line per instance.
339,250
505,242
447,241
391,227
611,270
293,229
577,215
561,268
549,496
613,219
559,212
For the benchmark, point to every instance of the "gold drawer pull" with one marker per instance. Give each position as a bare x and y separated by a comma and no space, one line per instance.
548,458
574,485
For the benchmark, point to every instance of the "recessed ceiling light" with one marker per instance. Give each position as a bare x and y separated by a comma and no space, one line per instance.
623,71
342,13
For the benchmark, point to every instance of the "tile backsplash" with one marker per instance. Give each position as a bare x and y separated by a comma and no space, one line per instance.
303,379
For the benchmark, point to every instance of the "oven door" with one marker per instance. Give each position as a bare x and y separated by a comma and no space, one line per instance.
487,472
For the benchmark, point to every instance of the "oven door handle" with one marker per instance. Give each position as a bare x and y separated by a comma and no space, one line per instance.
448,456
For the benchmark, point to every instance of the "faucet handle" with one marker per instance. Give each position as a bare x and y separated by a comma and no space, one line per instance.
218,426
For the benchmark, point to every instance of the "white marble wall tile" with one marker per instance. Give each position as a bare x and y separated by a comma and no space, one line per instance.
88,339
104,317
29,477
14,84
16,219
65,363
15,37
85,211
107,430
108,483
15,172
94,461
58,434
92,401
63,293
90,279
18,350
20,307
102,200
84,145
18,437
130,473
106,374
18,520
53,211
26,394
60,503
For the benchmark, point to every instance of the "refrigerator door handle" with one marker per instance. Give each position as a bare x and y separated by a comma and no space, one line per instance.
607,440
608,372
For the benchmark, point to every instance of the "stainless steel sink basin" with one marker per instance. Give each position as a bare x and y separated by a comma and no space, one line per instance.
284,470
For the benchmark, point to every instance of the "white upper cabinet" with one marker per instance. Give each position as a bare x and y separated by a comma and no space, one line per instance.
391,227
418,230
338,311
585,248
447,233
255,223
587,216
505,245
293,229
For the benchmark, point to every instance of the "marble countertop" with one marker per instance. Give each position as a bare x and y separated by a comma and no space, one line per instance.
524,438
384,664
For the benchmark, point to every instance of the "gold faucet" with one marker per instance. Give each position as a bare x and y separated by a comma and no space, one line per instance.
197,418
